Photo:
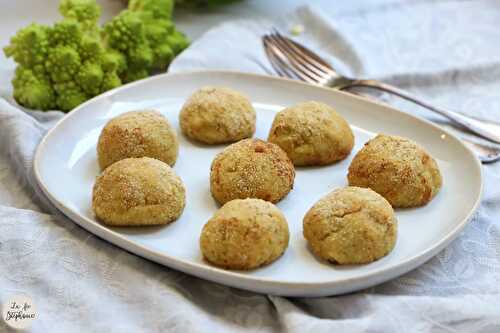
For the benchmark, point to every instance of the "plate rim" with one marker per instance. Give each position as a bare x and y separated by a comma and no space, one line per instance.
218,274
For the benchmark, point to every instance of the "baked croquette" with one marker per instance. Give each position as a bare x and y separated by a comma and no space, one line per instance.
312,133
245,234
398,169
351,225
138,192
251,168
137,134
215,115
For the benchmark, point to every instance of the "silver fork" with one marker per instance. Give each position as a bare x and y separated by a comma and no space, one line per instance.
293,60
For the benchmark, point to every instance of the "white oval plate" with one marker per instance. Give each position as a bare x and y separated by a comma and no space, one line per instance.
65,167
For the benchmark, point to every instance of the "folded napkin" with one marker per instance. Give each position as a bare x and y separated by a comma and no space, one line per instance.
446,51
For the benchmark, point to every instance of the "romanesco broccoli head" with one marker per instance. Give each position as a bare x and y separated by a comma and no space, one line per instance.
147,38
63,65
66,64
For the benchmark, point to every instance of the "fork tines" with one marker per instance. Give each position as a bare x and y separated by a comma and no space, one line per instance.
290,59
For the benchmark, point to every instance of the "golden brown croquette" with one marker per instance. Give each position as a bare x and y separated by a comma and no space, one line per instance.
138,192
137,134
351,225
251,168
215,115
245,234
398,169
312,133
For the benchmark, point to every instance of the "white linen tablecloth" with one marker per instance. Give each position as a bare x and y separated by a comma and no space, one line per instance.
447,51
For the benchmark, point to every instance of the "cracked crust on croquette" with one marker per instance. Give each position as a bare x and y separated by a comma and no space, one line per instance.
215,115
138,192
351,225
137,134
398,169
251,168
312,133
245,234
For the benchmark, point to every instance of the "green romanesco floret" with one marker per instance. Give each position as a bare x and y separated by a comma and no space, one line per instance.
177,41
124,31
90,77
140,57
32,86
86,12
91,49
113,60
110,80
134,75
61,66
33,90
29,46
69,95
66,32
158,35
146,37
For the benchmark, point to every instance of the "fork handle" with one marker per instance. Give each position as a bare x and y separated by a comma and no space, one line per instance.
483,128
